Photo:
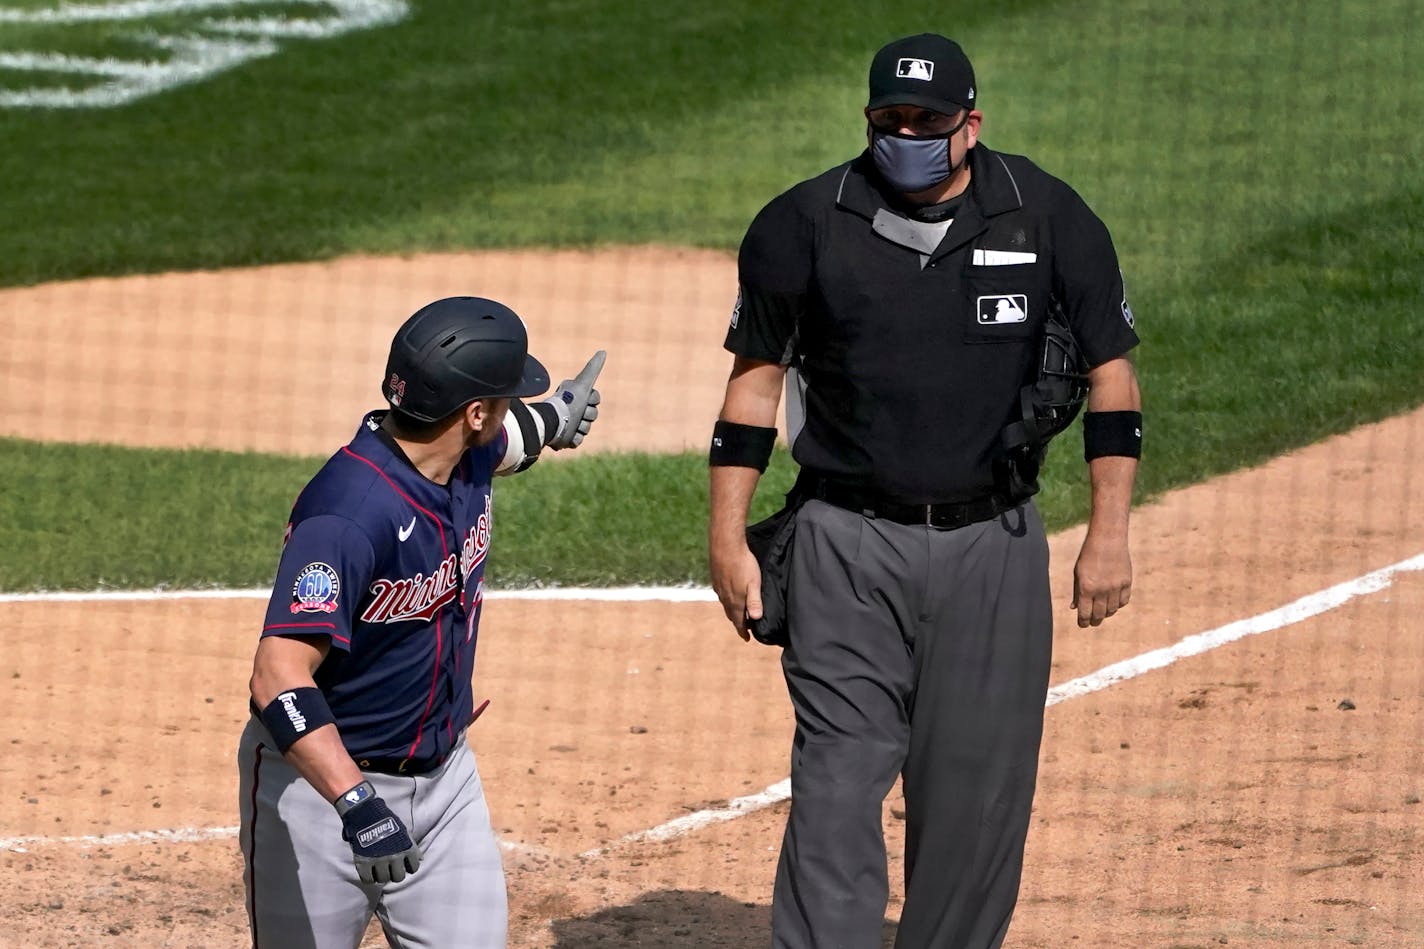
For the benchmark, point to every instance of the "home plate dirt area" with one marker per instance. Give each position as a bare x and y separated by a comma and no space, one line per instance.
1236,759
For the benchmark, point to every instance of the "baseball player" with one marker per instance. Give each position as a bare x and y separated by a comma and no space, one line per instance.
358,791
914,303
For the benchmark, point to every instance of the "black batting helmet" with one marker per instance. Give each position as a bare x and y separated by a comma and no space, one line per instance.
454,351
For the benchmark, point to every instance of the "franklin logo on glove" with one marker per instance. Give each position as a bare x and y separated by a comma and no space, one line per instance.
377,832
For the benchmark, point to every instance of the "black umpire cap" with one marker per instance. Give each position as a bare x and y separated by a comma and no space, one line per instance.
454,351
927,70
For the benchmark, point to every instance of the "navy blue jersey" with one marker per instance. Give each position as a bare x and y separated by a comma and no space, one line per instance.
389,566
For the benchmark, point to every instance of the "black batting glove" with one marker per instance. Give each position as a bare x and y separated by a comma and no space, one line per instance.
380,844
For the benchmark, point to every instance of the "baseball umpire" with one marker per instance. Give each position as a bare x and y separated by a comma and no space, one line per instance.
359,793
934,309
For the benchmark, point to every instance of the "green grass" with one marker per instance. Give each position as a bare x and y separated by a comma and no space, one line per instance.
1257,165
558,123
467,125
193,519
612,519
182,519
89,516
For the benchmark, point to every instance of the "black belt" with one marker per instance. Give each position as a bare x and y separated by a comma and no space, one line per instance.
945,516
401,765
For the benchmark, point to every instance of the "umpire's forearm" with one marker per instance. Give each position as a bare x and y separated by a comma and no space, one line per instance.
753,395
1111,478
1112,387
730,490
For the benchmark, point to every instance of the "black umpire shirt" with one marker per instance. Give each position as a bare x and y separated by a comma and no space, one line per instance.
910,348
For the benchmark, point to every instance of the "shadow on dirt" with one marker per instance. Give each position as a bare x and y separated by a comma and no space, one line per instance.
677,919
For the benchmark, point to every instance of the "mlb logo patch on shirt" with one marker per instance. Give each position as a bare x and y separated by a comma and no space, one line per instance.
915,69
1003,308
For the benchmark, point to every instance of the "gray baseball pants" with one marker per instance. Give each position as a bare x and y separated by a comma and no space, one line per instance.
302,887
922,653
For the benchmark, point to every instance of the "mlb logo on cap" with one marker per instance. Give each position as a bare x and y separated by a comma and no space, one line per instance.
915,69
927,70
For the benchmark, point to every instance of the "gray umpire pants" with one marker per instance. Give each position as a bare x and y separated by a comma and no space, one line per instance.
925,653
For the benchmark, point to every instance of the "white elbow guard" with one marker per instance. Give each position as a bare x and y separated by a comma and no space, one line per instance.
527,430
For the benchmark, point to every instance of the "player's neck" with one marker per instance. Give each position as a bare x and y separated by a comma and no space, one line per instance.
435,460
434,456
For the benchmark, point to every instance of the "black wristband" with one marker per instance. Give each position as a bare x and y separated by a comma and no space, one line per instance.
741,446
1112,433
551,422
294,714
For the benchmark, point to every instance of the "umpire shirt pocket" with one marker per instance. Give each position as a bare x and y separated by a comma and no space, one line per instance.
1004,303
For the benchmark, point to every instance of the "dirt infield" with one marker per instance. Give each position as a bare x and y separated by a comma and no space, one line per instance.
286,358
1263,793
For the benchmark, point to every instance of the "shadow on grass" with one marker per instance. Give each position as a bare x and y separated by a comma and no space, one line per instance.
677,919
1299,333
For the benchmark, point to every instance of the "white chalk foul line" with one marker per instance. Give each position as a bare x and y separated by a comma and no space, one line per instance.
1288,615
181,835
135,596
734,808
1302,609
686,594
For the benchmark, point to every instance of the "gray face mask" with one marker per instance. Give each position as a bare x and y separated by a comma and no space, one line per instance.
913,163
910,164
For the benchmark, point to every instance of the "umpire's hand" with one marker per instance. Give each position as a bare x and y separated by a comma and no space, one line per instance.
736,578
1102,578
380,844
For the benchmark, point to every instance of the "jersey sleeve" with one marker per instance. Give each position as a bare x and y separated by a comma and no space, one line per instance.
324,570
774,270
1089,283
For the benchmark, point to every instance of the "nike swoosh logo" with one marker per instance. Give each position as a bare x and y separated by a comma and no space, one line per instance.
404,532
